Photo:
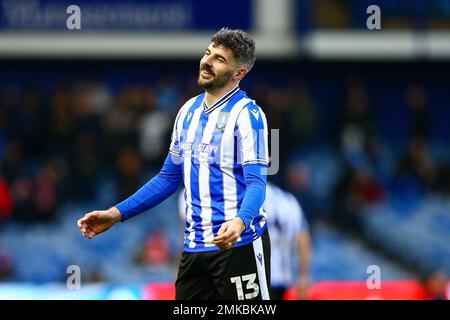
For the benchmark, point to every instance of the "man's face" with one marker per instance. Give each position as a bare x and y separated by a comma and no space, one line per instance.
216,67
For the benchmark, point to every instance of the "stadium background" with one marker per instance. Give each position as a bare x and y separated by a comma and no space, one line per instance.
85,118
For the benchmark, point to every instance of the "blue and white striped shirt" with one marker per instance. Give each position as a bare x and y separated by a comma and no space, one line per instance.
287,221
213,144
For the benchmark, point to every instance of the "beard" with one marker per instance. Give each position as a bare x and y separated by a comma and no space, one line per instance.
218,80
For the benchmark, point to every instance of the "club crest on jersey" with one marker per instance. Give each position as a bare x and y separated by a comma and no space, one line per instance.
222,120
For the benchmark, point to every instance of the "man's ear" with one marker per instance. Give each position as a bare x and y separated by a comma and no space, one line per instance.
240,73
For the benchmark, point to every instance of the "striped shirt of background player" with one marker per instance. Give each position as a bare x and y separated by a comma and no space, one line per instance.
286,220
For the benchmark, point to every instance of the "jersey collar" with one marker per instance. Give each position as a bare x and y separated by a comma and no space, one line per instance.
221,101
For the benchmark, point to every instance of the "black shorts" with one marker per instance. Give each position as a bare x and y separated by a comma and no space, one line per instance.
240,273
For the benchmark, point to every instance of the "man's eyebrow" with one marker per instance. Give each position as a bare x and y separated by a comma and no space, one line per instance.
220,56
217,55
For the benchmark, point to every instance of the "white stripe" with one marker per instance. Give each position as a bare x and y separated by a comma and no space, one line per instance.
261,268
265,137
187,176
204,176
248,140
227,162
178,125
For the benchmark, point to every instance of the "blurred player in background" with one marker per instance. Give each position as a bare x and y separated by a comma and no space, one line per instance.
290,241
289,238
219,151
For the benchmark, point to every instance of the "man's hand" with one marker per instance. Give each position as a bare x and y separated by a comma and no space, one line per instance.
229,233
96,222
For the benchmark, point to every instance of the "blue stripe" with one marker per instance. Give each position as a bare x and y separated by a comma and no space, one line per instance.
187,224
217,198
187,120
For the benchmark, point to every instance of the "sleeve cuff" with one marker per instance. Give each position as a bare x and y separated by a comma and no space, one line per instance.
256,161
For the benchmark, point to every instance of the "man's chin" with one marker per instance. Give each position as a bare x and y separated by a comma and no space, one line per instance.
205,84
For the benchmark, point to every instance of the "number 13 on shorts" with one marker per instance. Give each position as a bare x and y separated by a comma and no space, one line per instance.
252,288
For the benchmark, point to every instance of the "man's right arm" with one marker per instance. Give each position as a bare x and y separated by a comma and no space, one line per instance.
158,189
151,194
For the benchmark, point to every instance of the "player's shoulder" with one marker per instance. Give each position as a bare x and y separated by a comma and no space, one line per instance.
294,204
276,194
270,189
252,112
289,196
183,111
252,105
189,103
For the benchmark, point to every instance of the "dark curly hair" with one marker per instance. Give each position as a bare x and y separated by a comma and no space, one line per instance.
239,42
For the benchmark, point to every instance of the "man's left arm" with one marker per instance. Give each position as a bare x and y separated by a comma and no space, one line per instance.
304,255
255,176
304,250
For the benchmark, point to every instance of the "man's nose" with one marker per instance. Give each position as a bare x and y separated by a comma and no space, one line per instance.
207,60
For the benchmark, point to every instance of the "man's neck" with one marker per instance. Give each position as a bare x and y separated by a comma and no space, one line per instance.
212,96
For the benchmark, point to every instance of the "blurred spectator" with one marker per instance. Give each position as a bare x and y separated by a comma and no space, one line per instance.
437,285
301,120
60,169
156,251
3,128
415,172
6,266
122,120
61,121
357,189
45,195
277,102
444,179
27,122
9,102
417,103
153,130
357,132
6,200
168,95
297,181
13,161
129,170
22,189
98,94
85,163
360,184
